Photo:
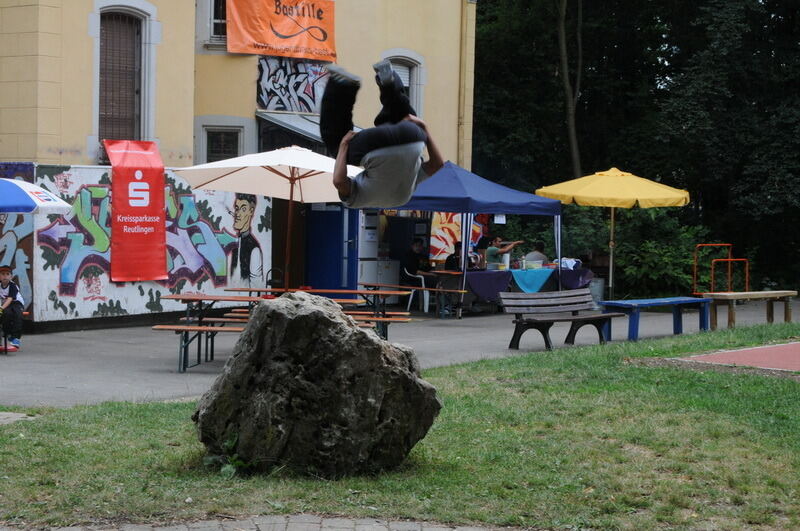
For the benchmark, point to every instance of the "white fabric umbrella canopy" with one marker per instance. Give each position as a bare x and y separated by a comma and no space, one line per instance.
293,173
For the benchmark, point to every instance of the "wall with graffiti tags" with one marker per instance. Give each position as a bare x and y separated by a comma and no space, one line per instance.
215,240
292,85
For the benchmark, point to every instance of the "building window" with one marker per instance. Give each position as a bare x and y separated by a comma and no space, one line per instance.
125,36
410,66
219,23
120,106
223,143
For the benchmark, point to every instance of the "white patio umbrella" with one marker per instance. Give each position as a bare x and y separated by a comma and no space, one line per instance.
293,173
20,197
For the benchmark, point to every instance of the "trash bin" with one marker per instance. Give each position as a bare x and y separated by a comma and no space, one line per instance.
597,288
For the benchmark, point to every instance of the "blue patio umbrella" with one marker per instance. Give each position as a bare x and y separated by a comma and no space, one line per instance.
20,197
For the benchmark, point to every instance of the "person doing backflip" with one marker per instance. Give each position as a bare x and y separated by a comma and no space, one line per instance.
390,152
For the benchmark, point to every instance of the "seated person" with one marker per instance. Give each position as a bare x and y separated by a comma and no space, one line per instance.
537,254
497,248
11,306
453,262
415,262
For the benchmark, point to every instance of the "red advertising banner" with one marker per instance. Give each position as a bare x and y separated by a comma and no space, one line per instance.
286,28
138,217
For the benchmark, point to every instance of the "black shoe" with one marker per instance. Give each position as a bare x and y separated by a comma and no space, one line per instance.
340,75
384,72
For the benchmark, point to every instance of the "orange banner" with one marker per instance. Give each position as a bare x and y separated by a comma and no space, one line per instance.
286,28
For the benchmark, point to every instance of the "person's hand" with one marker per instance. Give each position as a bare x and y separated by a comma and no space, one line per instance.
414,120
346,139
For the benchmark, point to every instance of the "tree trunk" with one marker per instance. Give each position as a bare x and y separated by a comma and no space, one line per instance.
571,94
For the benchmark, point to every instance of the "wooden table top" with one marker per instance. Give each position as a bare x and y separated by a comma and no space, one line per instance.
367,292
732,295
438,290
204,297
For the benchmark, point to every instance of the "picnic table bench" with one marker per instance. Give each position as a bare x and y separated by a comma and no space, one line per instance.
632,308
729,298
542,310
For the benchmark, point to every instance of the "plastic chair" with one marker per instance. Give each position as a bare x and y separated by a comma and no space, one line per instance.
426,296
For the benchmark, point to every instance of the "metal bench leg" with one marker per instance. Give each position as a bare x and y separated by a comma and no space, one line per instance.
519,329
573,330
787,309
677,320
544,328
704,312
633,325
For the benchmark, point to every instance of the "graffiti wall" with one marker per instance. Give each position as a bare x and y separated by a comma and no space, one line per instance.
290,84
16,234
215,240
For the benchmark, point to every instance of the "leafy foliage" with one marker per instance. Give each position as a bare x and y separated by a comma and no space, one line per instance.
695,94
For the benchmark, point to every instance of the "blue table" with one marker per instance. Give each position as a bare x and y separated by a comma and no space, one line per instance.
632,309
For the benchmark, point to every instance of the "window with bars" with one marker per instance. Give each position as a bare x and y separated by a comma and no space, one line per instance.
219,20
120,78
222,144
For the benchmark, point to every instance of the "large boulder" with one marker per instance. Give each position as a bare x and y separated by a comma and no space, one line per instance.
305,387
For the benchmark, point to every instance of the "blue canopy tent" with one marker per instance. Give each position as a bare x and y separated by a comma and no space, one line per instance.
454,189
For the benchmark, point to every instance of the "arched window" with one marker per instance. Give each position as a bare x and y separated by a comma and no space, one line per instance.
120,108
126,36
410,66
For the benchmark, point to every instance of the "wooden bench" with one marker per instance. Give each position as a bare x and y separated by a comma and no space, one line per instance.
542,310
190,333
729,298
229,318
367,312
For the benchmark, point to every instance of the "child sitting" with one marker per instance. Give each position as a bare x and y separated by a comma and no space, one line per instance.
11,305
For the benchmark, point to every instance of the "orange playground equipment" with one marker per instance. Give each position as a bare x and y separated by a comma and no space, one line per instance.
729,260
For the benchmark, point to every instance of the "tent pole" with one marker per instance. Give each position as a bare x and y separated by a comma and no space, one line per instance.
611,245
466,233
557,230
287,261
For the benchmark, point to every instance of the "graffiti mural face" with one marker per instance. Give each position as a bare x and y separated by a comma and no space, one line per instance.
243,211
286,84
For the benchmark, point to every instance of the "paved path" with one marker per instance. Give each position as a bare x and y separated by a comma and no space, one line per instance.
138,364
299,522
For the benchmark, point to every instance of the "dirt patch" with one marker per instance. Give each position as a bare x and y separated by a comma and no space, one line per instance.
718,367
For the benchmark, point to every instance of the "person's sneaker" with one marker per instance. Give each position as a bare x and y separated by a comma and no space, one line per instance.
14,342
340,75
384,74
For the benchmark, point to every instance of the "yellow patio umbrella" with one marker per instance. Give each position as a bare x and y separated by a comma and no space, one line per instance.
616,189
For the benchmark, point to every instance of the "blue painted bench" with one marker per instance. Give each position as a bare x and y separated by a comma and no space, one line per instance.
632,308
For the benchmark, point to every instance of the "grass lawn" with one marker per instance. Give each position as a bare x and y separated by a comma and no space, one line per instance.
576,438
